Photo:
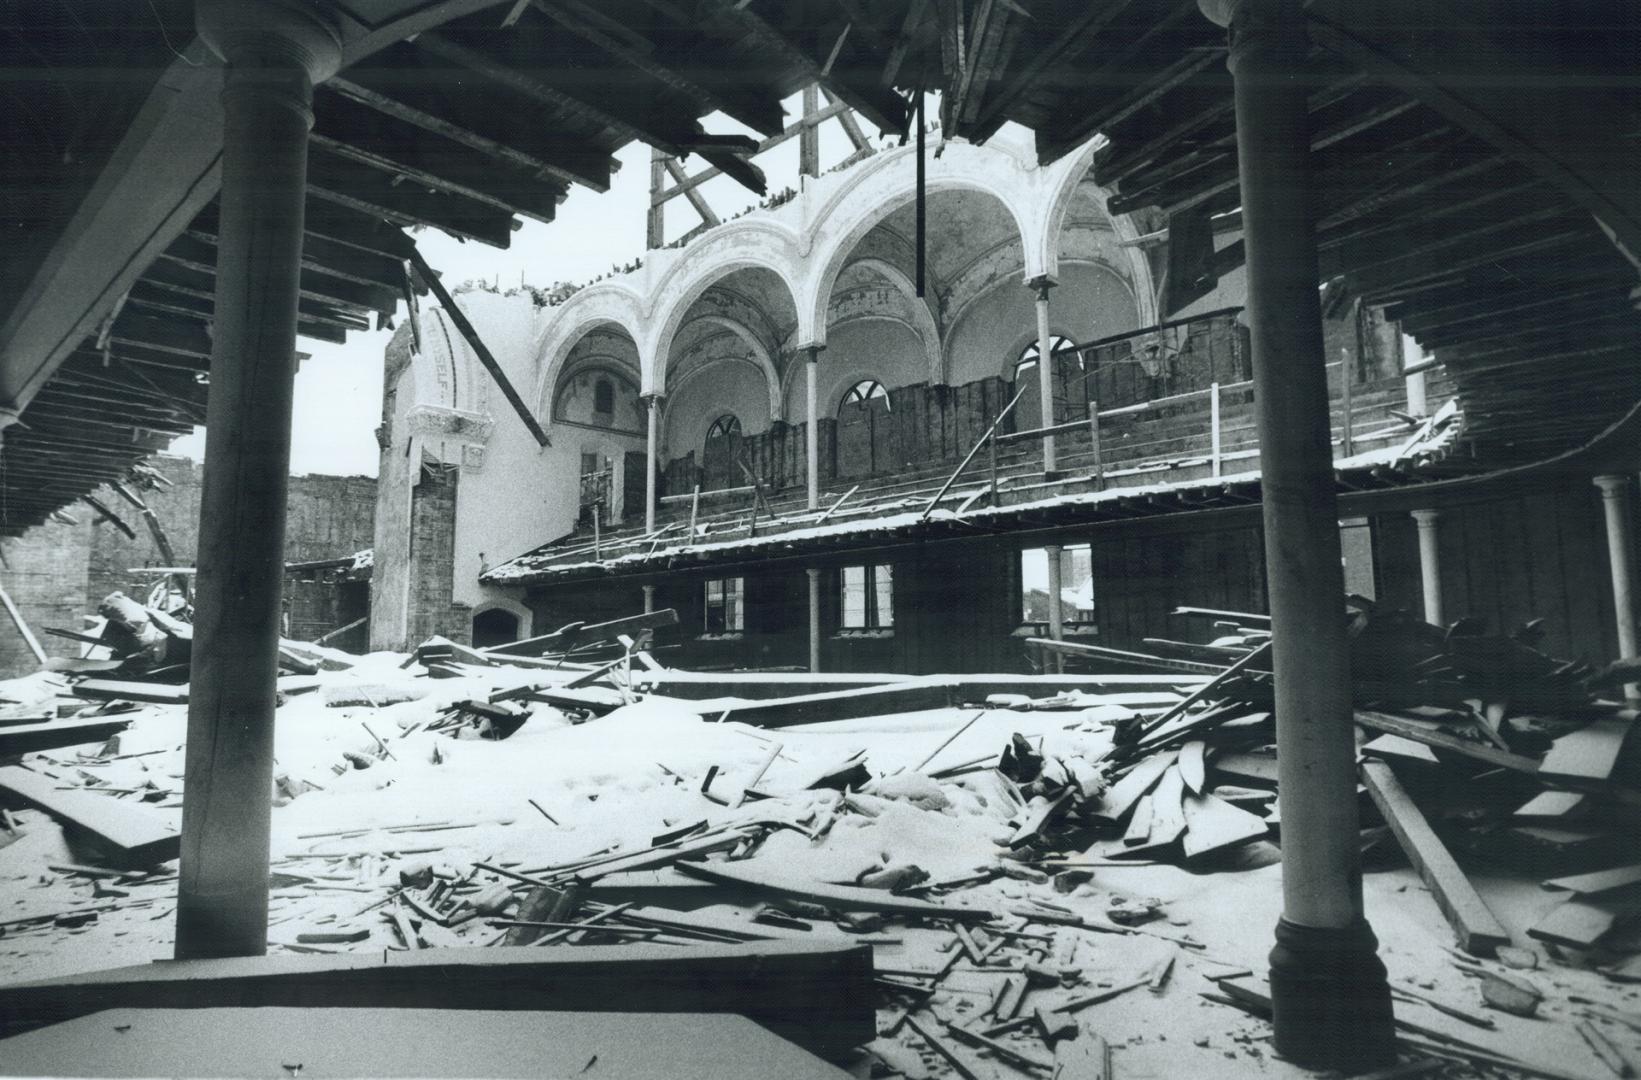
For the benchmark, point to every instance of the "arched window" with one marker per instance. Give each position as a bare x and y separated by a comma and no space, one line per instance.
1028,355
604,396
864,391
723,427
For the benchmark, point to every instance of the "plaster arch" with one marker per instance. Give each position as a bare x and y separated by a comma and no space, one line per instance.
605,304
747,243
760,356
679,442
525,616
871,193
923,318
1063,178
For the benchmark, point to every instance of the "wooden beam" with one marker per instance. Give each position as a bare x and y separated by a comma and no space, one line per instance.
370,190
1069,37
130,834
345,127
819,996
720,90
412,93
1479,932
1558,128
22,626
870,97
457,316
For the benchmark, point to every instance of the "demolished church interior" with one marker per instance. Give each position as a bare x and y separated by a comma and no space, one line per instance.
1127,571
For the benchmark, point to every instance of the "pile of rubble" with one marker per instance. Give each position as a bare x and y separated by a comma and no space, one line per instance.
980,876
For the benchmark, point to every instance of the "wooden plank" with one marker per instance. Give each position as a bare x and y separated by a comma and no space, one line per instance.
1086,1057
117,690
1575,923
819,996
1212,824
411,1042
844,897
1409,729
1479,932
1122,795
19,739
1590,753
1621,877
1139,825
1193,767
912,695
130,834
1551,805
576,634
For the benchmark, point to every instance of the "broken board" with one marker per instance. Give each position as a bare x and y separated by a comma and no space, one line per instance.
913,695
128,834
819,996
1122,795
1479,932
1212,824
19,739
1590,753
841,897
397,1042
1601,881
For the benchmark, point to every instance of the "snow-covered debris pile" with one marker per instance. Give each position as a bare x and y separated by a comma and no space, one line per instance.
472,798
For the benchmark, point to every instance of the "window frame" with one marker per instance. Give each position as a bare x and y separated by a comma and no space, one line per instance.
1075,622
872,587
874,390
730,602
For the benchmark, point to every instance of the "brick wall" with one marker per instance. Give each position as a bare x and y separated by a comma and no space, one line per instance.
58,573
433,558
45,575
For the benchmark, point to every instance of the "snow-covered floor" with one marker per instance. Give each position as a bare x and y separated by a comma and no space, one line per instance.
618,781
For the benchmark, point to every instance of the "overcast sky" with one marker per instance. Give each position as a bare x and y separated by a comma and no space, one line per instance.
339,389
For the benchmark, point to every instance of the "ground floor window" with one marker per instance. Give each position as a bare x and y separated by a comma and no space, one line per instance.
725,607
868,597
1076,585
494,626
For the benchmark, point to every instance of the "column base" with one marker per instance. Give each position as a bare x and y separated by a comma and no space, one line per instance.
1330,998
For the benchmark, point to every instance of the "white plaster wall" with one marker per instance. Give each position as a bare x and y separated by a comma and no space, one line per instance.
867,348
726,386
1090,302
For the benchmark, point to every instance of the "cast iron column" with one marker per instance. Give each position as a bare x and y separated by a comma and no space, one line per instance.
653,401
649,599
1330,997
1045,368
273,53
812,436
1056,620
814,619
1430,564
1615,503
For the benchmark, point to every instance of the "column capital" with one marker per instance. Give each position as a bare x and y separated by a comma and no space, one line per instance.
1041,284
813,572
1613,485
270,34
811,351
1426,517
1277,25
653,399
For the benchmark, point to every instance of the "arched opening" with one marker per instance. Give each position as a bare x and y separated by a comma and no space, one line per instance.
725,359
862,393
863,429
1028,411
722,452
494,626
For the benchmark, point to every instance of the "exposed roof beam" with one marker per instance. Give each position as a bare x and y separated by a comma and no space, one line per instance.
1453,66
345,127
370,190
720,90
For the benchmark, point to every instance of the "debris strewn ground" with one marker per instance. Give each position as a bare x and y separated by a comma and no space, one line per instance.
1052,883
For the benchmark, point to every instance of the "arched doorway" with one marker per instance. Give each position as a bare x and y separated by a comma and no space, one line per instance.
494,626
